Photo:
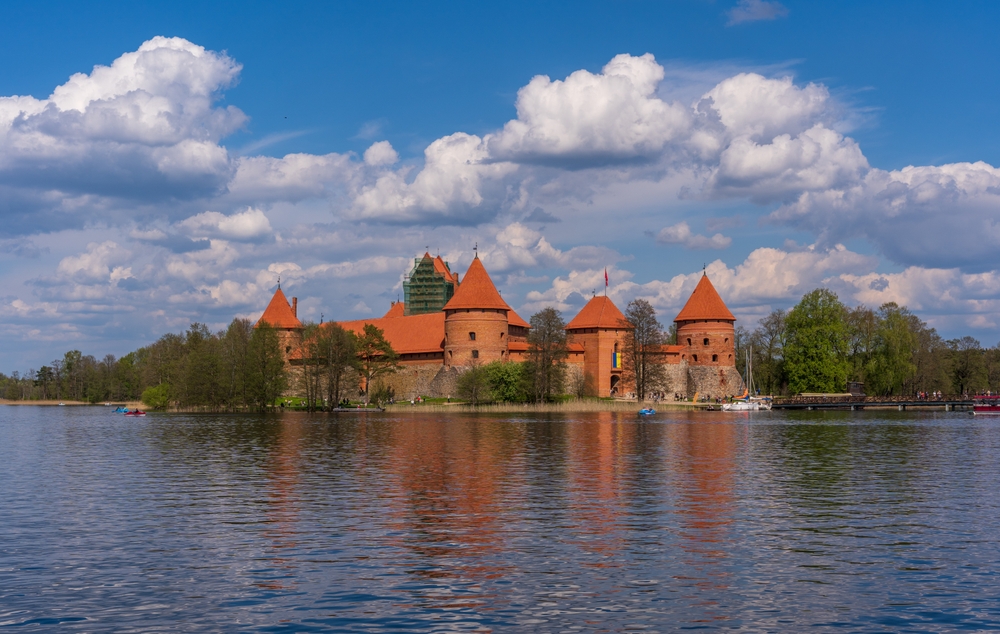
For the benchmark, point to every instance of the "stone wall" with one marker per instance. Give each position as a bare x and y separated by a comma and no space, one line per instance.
714,381
412,381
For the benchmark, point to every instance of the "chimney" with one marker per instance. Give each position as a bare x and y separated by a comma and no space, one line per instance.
295,307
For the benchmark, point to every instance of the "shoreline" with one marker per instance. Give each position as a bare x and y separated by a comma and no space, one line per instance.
568,406
56,402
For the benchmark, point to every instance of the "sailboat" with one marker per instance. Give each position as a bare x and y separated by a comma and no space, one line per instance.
746,402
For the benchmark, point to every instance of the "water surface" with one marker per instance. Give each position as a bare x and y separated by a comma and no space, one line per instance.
859,521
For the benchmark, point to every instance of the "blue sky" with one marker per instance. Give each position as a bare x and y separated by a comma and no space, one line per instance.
330,143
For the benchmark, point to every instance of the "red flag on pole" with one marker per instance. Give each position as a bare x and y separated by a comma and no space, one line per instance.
605,277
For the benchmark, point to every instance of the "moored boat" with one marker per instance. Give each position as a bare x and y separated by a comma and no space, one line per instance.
746,402
647,411
137,412
986,405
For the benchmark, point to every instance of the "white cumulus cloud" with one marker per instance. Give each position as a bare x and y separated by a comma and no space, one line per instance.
681,233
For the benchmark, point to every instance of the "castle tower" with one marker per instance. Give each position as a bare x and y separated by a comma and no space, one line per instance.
284,318
706,335
429,286
475,322
601,329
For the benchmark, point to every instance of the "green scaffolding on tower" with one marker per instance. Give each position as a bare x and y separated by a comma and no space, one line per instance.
429,286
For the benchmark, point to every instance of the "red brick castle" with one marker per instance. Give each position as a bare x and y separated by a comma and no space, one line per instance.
444,326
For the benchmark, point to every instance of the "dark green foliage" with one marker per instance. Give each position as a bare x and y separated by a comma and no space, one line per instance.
265,378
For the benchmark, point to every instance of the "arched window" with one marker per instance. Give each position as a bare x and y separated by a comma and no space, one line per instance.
472,336
689,341
715,358
475,354
694,357
706,341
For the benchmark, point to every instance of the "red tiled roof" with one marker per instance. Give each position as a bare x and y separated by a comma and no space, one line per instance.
440,267
396,310
513,319
517,346
476,290
407,335
279,313
575,347
705,303
600,312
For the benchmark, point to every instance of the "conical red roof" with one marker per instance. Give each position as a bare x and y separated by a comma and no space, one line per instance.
476,290
279,313
600,312
705,303
396,310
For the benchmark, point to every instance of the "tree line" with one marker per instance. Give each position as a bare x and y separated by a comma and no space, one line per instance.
820,344
816,346
240,367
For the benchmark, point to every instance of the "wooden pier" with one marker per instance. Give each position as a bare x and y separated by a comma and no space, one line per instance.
902,403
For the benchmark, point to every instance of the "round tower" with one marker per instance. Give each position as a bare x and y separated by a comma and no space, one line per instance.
475,322
706,333
283,317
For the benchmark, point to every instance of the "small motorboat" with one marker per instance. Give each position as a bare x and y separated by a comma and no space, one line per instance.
135,412
120,410
647,411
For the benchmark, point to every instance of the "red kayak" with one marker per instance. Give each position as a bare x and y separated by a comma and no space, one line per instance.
136,413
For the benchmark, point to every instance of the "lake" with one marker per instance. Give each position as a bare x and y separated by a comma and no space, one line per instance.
858,521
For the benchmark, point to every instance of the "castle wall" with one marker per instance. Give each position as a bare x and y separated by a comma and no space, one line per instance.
714,382
431,380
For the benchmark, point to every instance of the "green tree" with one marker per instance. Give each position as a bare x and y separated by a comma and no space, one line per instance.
891,364
643,348
474,384
310,379
967,369
44,378
930,358
338,349
266,377
375,356
816,344
157,397
235,368
768,342
506,381
201,369
862,342
547,353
